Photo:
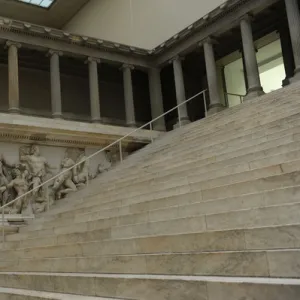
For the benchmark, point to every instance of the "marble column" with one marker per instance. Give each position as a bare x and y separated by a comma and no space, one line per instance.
94,89
156,99
287,52
55,84
13,77
212,78
180,90
293,15
254,85
128,95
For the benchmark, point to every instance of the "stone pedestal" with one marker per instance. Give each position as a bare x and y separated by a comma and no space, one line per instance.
254,85
128,95
94,89
212,78
156,99
293,15
13,77
55,84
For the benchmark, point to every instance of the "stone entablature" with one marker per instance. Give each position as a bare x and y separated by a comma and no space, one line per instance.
34,30
19,128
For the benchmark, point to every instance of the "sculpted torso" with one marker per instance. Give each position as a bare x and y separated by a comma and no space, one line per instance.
37,165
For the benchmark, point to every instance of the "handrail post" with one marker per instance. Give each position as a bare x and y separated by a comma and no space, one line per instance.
48,200
205,106
3,232
179,117
87,179
151,128
120,150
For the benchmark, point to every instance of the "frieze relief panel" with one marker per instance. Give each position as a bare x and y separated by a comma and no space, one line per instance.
25,167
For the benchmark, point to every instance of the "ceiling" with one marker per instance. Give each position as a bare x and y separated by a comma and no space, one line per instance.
56,16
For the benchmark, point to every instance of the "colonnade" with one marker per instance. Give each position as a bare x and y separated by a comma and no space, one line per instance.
94,92
254,87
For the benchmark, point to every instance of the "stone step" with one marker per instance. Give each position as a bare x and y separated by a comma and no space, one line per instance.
251,108
209,139
273,197
285,195
223,134
267,238
263,157
139,225
250,150
247,218
182,210
18,294
209,157
286,121
262,263
159,287
248,186
229,175
261,134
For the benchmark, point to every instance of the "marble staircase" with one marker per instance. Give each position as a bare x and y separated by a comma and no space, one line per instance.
207,212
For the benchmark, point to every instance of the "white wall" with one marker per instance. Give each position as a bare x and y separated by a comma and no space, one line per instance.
140,23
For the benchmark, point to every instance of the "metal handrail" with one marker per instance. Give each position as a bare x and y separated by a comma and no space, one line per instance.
118,141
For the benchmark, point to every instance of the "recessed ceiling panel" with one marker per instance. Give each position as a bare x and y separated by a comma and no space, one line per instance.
40,3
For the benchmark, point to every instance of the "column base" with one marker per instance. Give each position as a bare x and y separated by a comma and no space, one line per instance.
215,108
57,116
96,121
183,121
285,82
14,110
254,92
159,128
159,125
131,125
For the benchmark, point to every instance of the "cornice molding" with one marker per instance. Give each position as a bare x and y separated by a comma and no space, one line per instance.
25,28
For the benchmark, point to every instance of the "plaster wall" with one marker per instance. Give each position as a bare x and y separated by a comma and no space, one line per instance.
140,23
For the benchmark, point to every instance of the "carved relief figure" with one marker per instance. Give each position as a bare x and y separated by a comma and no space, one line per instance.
37,165
64,183
20,185
4,179
81,171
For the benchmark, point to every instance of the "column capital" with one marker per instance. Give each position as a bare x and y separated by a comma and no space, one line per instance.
93,59
176,58
127,66
12,43
52,52
209,40
247,17
154,69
